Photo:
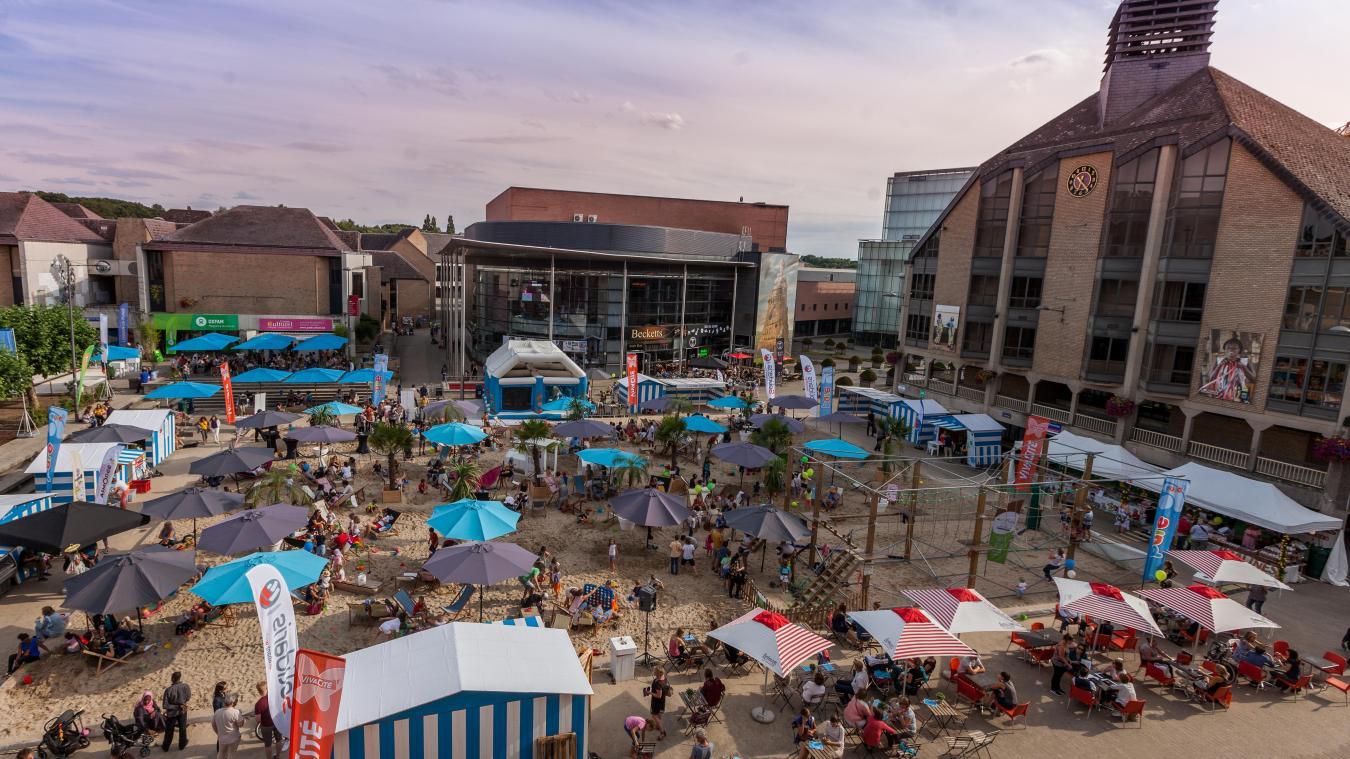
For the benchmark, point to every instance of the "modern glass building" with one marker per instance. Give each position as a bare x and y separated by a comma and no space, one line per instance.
913,201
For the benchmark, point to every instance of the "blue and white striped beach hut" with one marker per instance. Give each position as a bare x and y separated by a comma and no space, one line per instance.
860,400
984,437
463,690
920,415
91,458
21,505
159,421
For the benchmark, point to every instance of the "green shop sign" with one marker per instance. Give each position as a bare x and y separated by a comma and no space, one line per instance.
197,322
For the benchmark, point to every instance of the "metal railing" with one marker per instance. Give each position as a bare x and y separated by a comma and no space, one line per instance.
1011,403
1052,413
1283,470
1219,455
942,386
970,393
1156,439
1095,424
916,379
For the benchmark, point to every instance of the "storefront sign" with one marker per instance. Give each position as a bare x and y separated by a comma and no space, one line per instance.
659,332
649,334
574,346
197,322
295,325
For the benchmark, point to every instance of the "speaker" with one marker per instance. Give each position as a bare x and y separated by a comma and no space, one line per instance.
646,596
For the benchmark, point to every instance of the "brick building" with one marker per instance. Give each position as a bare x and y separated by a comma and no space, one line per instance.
824,302
1164,264
33,233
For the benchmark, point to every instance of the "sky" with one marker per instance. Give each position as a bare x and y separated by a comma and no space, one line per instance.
390,110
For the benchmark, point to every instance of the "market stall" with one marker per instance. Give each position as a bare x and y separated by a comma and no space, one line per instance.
861,400
90,457
983,437
921,417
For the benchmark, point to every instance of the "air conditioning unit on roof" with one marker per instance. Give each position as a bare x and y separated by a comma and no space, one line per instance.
578,217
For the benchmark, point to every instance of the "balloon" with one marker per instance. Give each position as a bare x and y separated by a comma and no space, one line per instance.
1070,563
1160,575
1072,574
805,459
27,679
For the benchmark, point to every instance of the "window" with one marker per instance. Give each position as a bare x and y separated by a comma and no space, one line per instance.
1038,210
1335,309
1019,342
1106,355
1116,297
929,249
1179,301
1026,292
813,306
992,224
1193,220
1128,210
1326,385
1300,309
983,290
358,284
1286,380
803,306
1171,364
1318,237
977,338
918,327
921,286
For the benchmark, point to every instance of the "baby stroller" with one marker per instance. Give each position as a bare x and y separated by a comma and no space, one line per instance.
63,735
122,736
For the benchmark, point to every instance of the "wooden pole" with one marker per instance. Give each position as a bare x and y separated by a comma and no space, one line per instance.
913,507
867,555
1079,500
976,538
815,518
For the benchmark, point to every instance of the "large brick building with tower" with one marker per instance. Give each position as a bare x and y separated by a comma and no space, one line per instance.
1164,264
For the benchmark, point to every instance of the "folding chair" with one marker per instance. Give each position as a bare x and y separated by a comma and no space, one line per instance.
456,608
782,690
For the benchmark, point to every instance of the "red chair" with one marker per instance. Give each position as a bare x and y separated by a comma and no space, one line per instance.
1282,649
1342,686
1017,711
1221,697
1132,708
1015,640
1296,687
968,690
1198,638
1041,656
1037,626
1099,642
1254,674
1129,641
1337,660
1209,666
1159,675
953,665
1084,697
1184,658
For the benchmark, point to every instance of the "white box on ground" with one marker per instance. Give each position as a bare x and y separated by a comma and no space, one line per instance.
622,658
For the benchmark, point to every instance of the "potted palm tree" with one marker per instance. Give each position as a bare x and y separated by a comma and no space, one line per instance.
322,416
276,485
892,431
527,437
389,440
630,473
466,476
774,435
669,432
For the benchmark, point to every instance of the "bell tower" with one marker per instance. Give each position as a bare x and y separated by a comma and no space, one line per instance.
1153,45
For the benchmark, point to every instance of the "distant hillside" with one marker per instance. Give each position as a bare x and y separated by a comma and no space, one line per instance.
821,262
108,208
351,226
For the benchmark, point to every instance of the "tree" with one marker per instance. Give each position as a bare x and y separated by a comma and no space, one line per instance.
891,430
42,336
576,409
632,472
449,224
389,440
322,416
774,435
525,438
466,476
774,474
827,262
429,224
277,485
15,376
669,432
869,376
149,337
108,208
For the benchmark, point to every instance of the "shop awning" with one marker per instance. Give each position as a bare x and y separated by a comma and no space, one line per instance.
1244,499
1109,461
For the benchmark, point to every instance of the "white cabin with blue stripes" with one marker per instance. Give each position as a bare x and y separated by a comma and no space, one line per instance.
162,443
90,456
461,691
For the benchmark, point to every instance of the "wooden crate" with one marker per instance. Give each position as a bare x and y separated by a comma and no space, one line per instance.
562,746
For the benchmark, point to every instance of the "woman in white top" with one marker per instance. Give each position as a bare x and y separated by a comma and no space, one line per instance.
813,691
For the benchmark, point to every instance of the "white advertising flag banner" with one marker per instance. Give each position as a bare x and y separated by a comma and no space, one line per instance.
770,378
809,379
276,617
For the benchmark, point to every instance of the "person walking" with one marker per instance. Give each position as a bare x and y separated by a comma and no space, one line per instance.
676,554
271,737
1256,597
215,429
226,723
176,698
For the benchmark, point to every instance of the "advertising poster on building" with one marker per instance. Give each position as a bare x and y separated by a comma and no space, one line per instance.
1171,501
1231,361
777,305
770,374
826,391
809,378
632,381
946,320
228,389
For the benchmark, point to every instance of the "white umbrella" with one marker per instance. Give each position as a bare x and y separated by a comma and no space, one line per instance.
907,632
1212,609
963,610
1226,566
773,641
1105,601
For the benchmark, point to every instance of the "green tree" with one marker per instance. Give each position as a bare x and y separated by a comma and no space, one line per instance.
891,430
148,333
669,432
576,409
526,437
631,472
774,435
42,335
466,474
16,377
869,376
429,224
277,485
389,440
108,208
322,416
449,224
775,475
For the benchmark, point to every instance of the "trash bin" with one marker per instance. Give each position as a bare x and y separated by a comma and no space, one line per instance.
1317,561
622,657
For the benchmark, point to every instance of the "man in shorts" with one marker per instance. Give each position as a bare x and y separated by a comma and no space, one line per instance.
267,730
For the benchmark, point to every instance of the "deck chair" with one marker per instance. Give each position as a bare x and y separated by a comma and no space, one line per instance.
108,661
456,608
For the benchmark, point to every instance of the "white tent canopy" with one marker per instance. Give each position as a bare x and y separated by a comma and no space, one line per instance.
1242,498
1109,461
531,358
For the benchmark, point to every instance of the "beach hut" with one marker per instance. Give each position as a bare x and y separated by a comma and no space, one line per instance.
920,415
984,437
158,421
24,504
522,375
463,690
91,457
694,390
860,400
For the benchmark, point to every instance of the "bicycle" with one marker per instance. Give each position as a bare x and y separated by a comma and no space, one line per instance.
279,740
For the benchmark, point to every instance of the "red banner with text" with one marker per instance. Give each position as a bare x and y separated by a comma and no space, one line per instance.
1032,443
318,692
632,381
228,387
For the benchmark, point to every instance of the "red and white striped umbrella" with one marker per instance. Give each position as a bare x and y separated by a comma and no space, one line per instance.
1203,604
907,632
1226,566
963,610
1101,600
770,639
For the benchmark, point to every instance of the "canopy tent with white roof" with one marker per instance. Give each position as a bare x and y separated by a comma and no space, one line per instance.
521,376
860,400
984,437
1109,461
695,390
1246,500
462,689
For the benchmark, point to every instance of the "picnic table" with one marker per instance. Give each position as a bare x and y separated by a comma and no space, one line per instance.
983,679
1040,638
941,717
818,750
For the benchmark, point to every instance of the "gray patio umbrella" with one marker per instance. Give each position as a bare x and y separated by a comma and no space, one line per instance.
124,581
111,433
767,523
321,434
650,508
659,403
253,529
584,429
839,417
193,503
707,362
235,461
466,408
78,524
746,455
479,563
794,402
795,426
265,419
598,374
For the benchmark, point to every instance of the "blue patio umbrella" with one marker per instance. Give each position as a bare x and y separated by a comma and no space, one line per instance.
454,433
364,377
327,342
840,449
564,404
228,583
313,375
468,519
728,402
211,341
608,457
336,408
118,353
702,424
183,390
262,375
268,341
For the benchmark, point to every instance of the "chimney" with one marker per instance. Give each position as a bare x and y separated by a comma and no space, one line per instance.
1151,47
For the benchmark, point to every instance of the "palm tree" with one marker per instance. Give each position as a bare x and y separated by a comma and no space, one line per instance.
322,416
466,475
631,472
276,485
576,410
526,437
669,432
448,413
389,440
774,474
891,430
774,435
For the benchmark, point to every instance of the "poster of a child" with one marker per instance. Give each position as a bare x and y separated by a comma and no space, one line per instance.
1233,359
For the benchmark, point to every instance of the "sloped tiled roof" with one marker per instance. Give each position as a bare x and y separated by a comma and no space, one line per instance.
25,216
257,227
394,265
76,211
185,215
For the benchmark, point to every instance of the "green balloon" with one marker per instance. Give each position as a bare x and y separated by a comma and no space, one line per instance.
1161,575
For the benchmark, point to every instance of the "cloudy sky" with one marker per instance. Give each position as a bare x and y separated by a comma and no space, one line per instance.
387,111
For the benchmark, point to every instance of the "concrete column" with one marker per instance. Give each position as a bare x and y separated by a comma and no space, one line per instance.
552,296
1005,272
735,285
1073,405
1256,446
1148,270
904,311
684,302
1186,431
623,320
